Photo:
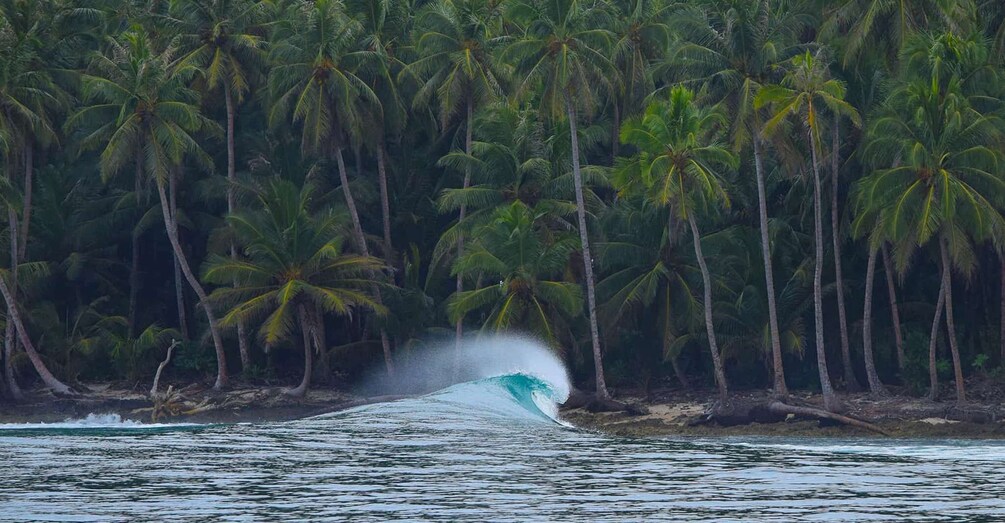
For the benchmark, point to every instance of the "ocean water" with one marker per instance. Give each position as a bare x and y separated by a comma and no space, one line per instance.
491,449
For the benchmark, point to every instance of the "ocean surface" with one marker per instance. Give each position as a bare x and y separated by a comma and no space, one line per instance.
491,449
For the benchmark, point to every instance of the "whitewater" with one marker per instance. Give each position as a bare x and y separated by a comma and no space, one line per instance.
488,447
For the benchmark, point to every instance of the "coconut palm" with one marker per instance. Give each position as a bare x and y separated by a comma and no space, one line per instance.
805,91
220,39
681,164
315,83
457,69
947,190
522,261
732,47
293,270
143,116
562,57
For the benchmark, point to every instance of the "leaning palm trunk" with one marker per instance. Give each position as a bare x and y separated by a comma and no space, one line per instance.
385,204
769,277
851,383
242,338
933,375
459,326
10,344
713,345
584,237
947,282
357,229
29,175
891,289
830,401
876,387
134,263
171,225
179,289
305,329
14,317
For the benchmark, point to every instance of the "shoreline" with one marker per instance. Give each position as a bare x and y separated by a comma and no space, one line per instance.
665,414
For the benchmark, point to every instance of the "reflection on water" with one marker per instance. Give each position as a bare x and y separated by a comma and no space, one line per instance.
478,452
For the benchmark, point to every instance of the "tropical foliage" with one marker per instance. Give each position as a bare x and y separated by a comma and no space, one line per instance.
643,184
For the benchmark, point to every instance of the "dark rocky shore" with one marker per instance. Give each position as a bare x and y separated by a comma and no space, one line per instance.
666,413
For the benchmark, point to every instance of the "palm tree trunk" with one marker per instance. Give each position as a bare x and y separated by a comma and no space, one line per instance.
357,229
29,175
242,338
875,385
947,281
459,287
305,330
584,237
322,370
179,289
679,373
1001,326
10,344
214,327
933,374
769,277
14,318
891,289
134,265
850,381
713,345
830,401
385,205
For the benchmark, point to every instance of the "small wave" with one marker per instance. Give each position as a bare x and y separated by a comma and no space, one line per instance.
93,421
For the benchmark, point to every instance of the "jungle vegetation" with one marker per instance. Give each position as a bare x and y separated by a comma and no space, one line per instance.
784,194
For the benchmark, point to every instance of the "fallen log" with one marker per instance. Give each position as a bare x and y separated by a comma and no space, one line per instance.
812,412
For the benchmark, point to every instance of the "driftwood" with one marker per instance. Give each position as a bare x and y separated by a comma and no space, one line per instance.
160,368
771,410
812,412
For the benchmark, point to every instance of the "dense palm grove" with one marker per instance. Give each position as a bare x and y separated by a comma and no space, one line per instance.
728,193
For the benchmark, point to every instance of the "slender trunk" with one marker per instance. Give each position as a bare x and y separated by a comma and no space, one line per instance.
357,229
875,385
14,317
322,370
713,345
891,289
584,237
179,289
10,343
947,281
305,330
29,175
385,205
769,277
214,327
850,381
134,267
242,337
1001,326
933,341
830,401
459,286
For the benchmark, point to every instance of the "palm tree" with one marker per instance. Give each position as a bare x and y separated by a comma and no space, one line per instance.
315,83
562,56
948,188
220,39
680,164
805,90
144,116
456,66
527,258
292,270
868,224
732,46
